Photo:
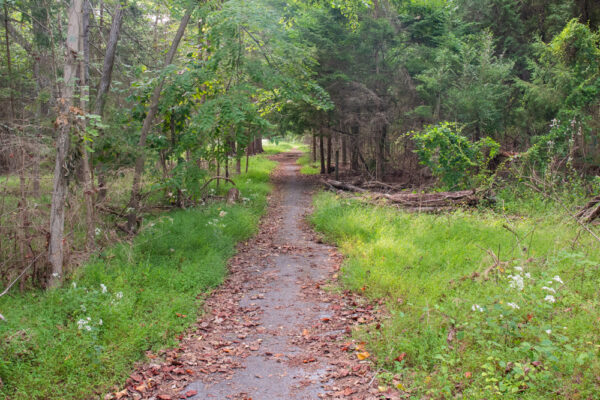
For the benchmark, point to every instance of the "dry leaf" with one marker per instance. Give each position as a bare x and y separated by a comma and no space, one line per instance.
362,355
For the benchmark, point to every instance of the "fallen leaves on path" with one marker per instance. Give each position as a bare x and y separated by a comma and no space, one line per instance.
231,331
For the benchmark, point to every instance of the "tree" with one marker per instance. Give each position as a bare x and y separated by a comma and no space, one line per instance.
73,50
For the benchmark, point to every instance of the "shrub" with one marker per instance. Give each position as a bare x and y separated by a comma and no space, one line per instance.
452,157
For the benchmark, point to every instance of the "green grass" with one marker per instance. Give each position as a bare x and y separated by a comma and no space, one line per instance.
460,335
308,167
153,287
282,145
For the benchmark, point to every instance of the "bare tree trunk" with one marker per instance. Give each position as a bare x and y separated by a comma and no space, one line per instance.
22,230
11,111
248,156
354,166
36,176
73,48
314,147
88,188
329,153
134,202
109,60
322,153
380,154
258,147
344,150
105,81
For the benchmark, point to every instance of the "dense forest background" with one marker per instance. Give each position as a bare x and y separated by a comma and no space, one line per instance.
111,109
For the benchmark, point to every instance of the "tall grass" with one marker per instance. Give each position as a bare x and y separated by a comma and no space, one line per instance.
83,338
452,330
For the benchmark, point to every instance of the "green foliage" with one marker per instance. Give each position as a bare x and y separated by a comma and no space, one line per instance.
452,157
526,331
129,299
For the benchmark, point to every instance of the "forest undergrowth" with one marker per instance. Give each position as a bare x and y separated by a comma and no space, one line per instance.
127,302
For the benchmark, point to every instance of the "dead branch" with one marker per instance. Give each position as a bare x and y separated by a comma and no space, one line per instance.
216,178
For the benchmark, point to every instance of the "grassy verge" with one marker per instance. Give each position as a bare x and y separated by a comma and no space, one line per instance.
283,145
525,329
308,167
81,339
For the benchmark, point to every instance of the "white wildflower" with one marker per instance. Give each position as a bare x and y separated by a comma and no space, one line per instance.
557,279
548,331
81,323
74,284
103,287
550,299
476,307
100,321
222,214
528,275
88,328
516,282
513,305
97,231
519,269
549,289
55,275
119,295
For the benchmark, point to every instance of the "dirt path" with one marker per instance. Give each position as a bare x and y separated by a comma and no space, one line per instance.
270,331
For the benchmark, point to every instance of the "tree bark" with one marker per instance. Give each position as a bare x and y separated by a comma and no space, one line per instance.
329,150
11,108
322,153
354,166
344,150
73,49
380,154
105,81
134,201
88,189
314,147
109,60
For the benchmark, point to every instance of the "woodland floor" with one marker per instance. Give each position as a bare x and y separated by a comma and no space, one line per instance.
279,327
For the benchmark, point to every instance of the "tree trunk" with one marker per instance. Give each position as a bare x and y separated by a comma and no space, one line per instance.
329,153
314,147
109,60
247,157
73,49
258,147
134,201
88,189
344,150
11,108
322,153
105,81
354,166
380,154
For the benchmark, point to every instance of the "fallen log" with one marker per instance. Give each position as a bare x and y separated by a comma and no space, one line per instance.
344,186
441,199
416,201
590,211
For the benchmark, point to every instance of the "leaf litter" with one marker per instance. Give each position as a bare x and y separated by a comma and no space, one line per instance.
241,320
